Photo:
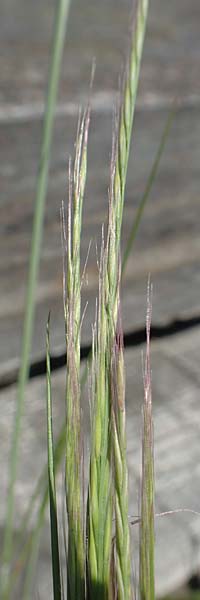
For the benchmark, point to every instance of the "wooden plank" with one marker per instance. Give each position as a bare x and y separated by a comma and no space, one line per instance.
176,382
167,244
171,63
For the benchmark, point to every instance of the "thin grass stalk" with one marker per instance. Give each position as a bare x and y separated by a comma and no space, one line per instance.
148,187
58,43
122,534
33,549
108,309
119,164
124,126
99,517
72,308
56,571
146,572
117,400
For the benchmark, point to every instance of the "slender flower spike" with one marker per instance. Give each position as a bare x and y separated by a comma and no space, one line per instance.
100,504
147,586
72,310
124,131
99,517
122,537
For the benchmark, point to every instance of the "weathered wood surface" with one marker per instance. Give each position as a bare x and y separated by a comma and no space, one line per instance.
171,62
168,243
176,410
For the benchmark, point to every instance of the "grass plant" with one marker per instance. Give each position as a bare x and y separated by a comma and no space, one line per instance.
103,568
42,484
99,552
99,565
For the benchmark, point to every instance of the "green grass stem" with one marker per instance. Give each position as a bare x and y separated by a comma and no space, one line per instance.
99,515
32,549
58,43
119,166
147,537
122,534
124,135
56,571
148,187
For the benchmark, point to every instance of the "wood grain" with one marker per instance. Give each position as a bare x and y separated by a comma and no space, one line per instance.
171,60
167,244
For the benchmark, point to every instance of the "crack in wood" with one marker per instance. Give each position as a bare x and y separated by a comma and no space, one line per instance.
131,340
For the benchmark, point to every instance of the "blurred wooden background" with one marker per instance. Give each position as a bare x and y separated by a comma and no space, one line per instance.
167,246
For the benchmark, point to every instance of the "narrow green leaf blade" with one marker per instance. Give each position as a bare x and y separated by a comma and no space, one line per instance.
51,478
57,51
149,185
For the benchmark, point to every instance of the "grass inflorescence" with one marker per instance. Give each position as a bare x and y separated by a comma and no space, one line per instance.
72,309
98,545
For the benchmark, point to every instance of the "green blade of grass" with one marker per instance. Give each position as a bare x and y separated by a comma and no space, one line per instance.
59,37
149,184
32,549
52,487
122,537
147,537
